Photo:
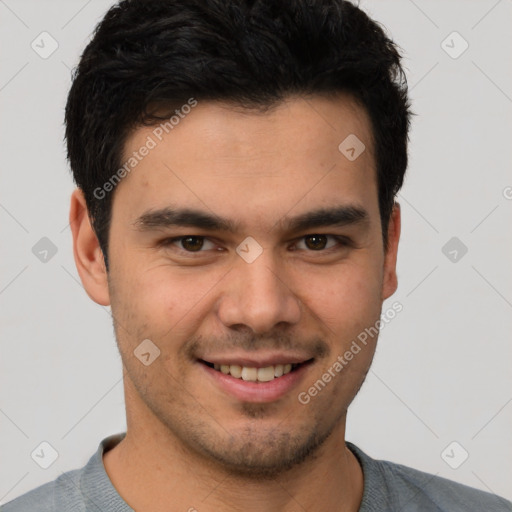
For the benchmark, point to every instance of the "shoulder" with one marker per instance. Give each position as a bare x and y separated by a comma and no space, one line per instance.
79,490
408,489
442,493
49,497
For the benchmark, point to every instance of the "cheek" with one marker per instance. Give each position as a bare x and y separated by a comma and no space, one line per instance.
348,298
170,303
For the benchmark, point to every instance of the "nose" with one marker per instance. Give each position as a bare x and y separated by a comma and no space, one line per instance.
257,295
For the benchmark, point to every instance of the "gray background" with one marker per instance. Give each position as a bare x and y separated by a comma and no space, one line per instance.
442,369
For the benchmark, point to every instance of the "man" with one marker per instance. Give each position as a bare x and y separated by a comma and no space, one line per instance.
237,165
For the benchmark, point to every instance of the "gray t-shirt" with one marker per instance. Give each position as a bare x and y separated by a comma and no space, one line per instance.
387,487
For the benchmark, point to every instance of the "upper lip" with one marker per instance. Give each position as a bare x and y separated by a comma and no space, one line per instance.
255,360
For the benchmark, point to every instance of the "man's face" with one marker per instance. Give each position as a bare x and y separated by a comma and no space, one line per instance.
265,294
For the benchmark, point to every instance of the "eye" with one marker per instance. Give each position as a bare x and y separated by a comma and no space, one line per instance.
189,243
319,242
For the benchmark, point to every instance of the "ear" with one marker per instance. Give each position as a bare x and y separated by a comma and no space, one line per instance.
87,252
390,281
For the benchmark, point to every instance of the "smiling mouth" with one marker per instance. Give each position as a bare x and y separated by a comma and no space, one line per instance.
252,374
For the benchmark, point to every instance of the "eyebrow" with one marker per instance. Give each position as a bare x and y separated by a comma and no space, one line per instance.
186,217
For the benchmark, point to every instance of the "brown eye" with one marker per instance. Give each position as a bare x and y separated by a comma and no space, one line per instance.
316,242
188,244
192,243
322,243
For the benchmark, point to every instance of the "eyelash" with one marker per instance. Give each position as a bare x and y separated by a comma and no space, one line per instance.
342,242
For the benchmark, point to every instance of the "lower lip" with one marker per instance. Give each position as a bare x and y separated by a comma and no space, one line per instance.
258,392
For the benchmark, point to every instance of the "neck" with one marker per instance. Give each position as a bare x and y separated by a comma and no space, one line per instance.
151,469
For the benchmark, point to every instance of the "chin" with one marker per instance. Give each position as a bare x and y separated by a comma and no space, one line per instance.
257,453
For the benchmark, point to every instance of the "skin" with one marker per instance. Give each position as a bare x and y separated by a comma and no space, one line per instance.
190,444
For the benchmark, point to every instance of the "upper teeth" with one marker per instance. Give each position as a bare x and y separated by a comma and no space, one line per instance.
254,374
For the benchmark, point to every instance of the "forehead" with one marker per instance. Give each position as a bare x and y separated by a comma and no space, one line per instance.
303,152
